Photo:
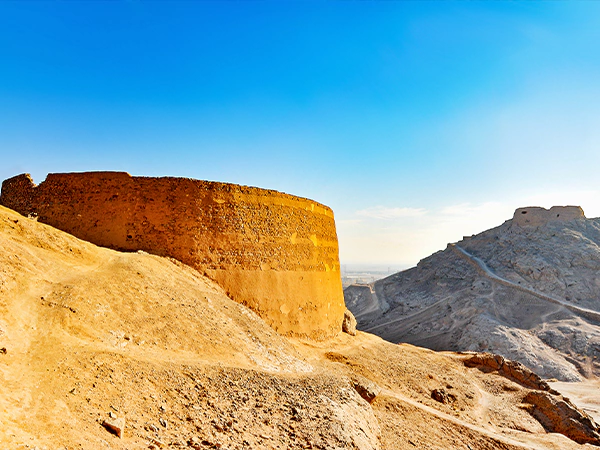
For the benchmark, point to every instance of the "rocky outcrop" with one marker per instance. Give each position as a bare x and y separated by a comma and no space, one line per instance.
443,396
527,290
558,415
366,388
273,252
513,370
555,412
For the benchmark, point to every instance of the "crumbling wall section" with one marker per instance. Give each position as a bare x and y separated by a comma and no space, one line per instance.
17,193
534,216
274,252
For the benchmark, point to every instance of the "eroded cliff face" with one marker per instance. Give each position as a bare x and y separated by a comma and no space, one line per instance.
273,252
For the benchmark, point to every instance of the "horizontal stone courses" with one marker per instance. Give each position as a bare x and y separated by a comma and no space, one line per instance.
264,196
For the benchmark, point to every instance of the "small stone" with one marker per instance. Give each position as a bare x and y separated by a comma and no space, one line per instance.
366,388
3,350
112,415
442,396
115,426
163,422
349,323
157,443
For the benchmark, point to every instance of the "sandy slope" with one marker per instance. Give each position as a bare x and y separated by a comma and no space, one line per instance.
91,333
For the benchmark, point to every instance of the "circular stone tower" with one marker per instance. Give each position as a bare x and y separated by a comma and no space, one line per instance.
273,252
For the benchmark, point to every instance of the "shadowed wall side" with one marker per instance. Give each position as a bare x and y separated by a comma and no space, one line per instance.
275,253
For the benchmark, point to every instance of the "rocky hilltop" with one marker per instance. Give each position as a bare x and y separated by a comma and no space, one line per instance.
528,289
128,350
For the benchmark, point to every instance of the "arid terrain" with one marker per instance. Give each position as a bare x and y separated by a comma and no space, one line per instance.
528,290
95,340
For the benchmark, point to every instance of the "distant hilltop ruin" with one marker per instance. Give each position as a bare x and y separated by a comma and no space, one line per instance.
527,289
534,216
273,252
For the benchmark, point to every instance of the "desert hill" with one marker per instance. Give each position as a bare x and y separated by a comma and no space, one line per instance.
144,344
528,289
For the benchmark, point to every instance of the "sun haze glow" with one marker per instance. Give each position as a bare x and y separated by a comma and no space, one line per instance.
417,122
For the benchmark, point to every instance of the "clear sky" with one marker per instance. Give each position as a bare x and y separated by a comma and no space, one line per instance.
417,122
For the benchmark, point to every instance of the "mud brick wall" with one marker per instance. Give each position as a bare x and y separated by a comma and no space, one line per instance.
273,252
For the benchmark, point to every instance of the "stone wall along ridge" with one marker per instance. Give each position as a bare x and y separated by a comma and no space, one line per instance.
273,252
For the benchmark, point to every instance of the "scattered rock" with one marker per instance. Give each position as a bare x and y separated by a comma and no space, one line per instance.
157,443
510,369
443,396
193,441
558,415
349,323
115,426
366,388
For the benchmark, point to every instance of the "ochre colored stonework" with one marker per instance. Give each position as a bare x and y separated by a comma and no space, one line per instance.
274,252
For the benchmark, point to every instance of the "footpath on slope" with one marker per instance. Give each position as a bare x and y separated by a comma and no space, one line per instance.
485,271
370,329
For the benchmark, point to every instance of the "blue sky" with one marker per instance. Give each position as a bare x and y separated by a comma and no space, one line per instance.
417,122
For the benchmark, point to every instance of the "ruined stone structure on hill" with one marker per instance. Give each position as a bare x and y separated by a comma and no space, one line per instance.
528,290
534,216
273,252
